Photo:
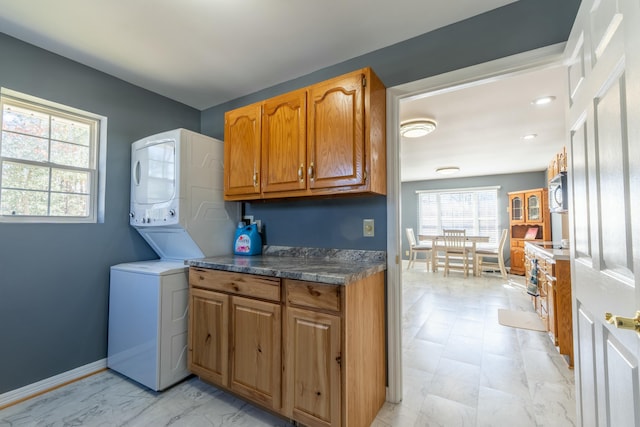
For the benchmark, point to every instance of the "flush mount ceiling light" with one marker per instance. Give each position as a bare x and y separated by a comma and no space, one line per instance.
543,100
417,128
448,170
530,136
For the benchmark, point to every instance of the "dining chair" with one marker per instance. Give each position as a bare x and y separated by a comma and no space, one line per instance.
496,257
456,251
415,249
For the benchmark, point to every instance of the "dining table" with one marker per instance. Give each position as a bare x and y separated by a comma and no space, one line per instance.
437,245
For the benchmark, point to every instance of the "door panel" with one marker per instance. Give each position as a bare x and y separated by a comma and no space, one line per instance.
255,350
208,354
284,142
604,77
336,132
242,150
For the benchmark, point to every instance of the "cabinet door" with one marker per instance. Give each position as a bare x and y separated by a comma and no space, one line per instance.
312,390
208,354
242,151
336,141
284,142
517,260
516,208
534,212
255,350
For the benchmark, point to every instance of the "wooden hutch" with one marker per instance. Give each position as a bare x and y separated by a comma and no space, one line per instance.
529,220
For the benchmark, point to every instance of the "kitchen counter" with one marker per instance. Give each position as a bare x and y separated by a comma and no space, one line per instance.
550,250
330,266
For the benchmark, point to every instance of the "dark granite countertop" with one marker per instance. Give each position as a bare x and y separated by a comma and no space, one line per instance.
331,266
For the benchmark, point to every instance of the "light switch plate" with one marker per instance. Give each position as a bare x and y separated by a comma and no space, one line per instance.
368,228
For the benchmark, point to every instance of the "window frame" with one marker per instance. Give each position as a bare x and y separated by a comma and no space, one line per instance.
493,238
97,125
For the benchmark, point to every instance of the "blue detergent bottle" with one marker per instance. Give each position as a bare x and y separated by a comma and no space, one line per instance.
247,240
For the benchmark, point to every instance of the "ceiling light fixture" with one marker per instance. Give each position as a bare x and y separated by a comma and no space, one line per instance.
448,170
417,128
530,136
543,100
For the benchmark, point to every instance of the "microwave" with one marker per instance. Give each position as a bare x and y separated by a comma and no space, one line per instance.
558,193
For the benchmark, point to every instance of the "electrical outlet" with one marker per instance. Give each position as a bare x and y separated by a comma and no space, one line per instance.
368,228
248,219
258,223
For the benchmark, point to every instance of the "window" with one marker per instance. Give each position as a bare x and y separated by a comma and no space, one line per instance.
472,209
48,161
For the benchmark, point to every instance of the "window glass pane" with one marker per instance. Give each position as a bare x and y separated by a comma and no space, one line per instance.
48,161
70,131
63,204
428,212
19,202
63,153
69,181
475,211
23,120
27,177
24,147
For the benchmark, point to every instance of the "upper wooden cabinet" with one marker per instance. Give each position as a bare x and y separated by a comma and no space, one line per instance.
242,151
284,142
528,210
328,138
336,128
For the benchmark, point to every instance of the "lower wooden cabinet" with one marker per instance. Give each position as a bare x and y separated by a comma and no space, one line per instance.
553,305
312,367
312,352
517,260
208,355
255,350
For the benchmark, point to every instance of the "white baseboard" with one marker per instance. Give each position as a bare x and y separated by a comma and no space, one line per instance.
22,393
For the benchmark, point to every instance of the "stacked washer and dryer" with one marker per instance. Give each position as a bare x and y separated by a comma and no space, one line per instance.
177,206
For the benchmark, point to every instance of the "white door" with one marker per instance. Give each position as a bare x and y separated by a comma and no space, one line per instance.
604,183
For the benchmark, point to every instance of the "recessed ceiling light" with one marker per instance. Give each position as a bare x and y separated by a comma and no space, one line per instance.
448,170
543,100
530,136
417,128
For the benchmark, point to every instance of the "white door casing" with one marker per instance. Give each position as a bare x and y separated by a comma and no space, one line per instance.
603,58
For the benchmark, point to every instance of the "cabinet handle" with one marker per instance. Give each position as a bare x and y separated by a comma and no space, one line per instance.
255,179
310,172
301,173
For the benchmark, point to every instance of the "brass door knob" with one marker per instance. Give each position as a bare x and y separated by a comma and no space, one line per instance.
624,322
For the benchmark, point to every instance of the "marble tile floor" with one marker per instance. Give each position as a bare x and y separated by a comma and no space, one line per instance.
460,368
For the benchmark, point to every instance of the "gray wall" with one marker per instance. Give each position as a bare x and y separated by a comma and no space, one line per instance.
54,278
507,183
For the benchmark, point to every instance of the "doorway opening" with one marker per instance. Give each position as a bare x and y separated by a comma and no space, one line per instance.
538,59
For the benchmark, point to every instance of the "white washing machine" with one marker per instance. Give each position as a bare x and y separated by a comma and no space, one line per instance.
148,304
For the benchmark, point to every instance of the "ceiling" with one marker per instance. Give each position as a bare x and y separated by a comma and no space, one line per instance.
206,52
480,128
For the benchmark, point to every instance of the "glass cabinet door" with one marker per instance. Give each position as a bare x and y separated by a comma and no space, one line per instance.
517,209
533,208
